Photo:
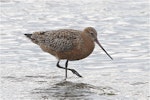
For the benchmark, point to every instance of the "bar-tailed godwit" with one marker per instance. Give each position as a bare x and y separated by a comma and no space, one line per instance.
67,44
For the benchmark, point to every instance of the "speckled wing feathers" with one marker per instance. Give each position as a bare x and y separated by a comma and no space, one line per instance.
58,40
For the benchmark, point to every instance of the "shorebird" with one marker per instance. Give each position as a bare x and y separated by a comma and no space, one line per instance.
67,44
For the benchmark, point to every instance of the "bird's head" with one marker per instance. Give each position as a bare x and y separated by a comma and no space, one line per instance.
91,32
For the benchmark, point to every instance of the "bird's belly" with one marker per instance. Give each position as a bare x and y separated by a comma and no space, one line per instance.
75,54
71,55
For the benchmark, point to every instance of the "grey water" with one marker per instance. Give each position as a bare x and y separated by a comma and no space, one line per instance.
28,73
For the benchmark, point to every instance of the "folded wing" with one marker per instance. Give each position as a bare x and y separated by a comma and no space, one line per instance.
58,40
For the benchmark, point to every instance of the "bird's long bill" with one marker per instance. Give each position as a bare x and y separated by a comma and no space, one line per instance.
103,48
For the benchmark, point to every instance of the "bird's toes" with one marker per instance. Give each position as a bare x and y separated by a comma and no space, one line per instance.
75,72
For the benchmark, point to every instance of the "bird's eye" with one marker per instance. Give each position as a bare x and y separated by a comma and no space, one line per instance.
92,34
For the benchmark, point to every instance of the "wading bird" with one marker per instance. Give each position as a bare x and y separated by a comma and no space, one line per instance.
67,44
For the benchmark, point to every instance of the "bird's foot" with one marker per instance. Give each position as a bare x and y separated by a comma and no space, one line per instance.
75,72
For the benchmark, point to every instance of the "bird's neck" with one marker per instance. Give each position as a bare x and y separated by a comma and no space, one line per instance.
88,43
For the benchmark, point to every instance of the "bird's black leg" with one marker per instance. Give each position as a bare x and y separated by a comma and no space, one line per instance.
66,65
73,71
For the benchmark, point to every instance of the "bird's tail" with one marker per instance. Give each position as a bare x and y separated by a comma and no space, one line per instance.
28,35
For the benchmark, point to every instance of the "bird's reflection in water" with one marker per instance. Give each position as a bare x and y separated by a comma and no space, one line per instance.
69,90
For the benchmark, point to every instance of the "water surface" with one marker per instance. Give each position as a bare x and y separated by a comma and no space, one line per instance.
27,73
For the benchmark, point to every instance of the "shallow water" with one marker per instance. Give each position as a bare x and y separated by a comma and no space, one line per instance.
27,73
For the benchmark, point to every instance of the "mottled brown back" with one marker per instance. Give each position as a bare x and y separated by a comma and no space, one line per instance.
58,40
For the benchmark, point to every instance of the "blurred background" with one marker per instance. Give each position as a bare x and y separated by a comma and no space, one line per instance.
27,73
